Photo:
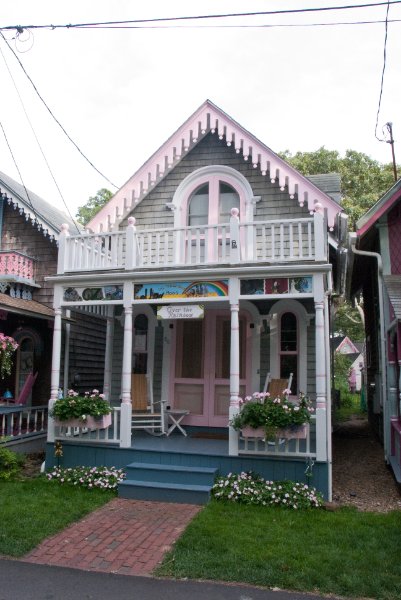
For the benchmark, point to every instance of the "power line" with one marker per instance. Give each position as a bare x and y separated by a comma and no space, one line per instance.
37,141
53,116
383,71
95,24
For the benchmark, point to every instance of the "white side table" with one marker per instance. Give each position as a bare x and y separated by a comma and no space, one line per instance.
175,416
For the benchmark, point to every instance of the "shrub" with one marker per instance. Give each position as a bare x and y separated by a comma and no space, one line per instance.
10,463
248,488
104,478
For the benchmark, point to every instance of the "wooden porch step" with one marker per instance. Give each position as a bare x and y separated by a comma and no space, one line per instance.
168,483
164,492
168,473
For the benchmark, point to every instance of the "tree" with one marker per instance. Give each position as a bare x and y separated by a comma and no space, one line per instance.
363,179
348,321
95,203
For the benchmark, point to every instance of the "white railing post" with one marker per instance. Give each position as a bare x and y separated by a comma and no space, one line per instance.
130,254
235,256
321,397
55,373
234,366
62,248
320,238
126,405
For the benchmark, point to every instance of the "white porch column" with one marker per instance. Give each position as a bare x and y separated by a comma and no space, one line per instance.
55,374
108,359
321,389
234,366
126,405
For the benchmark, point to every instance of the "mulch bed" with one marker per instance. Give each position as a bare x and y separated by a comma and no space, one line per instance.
361,477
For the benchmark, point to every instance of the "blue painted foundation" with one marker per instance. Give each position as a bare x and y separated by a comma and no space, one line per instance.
174,455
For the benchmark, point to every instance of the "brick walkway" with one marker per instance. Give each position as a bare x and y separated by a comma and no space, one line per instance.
129,537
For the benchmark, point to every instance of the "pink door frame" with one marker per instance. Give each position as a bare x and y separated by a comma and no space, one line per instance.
209,380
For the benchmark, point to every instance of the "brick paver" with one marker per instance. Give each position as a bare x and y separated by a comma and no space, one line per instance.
128,537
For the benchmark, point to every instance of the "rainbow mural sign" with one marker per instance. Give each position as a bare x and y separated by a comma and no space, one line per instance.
181,289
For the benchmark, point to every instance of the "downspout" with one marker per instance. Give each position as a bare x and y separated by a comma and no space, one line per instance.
1,218
378,257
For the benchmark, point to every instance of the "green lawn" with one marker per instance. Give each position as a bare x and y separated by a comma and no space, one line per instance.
33,509
345,552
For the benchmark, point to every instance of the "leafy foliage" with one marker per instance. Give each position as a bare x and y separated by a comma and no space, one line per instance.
75,406
262,410
91,208
363,179
10,463
248,488
347,321
102,478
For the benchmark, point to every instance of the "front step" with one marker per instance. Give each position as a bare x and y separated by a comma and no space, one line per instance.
167,483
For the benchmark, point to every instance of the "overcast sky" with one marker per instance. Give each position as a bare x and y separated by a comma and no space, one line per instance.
120,93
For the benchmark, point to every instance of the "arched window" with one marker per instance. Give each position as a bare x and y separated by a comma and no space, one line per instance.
288,348
212,202
289,323
207,196
140,358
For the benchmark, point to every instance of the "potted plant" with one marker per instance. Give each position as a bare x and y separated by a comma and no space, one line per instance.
88,410
266,417
7,348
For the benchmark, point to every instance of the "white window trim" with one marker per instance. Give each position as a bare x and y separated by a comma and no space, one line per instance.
275,314
196,178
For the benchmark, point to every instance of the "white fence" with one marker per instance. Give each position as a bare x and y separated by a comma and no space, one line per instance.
21,423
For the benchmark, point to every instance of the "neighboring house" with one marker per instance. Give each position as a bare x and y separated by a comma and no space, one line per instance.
215,263
375,272
29,229
343,345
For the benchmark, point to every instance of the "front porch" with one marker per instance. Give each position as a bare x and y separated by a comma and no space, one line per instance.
179,468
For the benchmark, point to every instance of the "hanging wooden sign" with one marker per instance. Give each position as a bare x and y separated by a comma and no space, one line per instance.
187,311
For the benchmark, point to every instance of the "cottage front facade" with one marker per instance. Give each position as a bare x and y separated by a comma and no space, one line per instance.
212,268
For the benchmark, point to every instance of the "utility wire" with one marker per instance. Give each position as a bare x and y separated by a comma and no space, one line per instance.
38,143
35,212
53,116
258,26
383,71
20,28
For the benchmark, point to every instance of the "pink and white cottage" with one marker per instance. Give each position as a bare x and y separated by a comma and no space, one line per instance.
213,268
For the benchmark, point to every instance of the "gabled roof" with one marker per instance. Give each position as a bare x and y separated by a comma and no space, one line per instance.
382,206
43,215
209,118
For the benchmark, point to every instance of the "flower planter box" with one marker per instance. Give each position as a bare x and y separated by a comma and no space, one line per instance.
252,432
89,423
298,432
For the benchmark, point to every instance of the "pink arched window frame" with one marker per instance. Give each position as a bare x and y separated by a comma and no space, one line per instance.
213,181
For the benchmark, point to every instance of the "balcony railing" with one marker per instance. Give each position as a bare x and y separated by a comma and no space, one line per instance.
278,241
17,266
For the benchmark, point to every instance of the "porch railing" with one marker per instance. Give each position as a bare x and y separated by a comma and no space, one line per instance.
110,435
274,241
17,265
25,423
294,448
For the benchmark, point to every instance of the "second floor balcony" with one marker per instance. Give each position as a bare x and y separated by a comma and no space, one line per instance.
277,241
16,267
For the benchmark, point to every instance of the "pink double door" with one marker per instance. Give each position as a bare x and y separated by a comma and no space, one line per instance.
200,367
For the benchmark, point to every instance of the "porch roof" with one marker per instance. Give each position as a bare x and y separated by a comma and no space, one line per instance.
210,118
27,307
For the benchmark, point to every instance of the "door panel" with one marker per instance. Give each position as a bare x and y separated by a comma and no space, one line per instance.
201,381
